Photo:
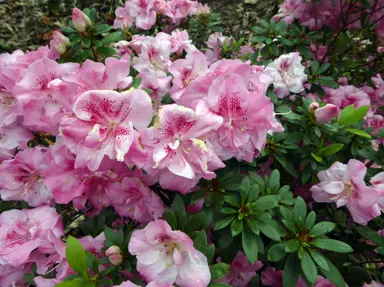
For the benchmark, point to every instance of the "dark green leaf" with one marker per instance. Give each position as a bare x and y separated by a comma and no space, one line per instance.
268,230
332,245
371,235
236,227
78,282
276,252
333,274
92,262
327,81
213,284
250,246
286,163
330,150
267,202
315,66
300,209
113,37
291,271
292,245
309,268
224,222
171,219
106,51
310,220
321,228
178,206
319,259
228,210
218,270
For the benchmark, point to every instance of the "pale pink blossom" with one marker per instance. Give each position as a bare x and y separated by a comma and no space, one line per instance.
21,178
167,256
373,284
16,136
177,149
344,184
11,276
80,20
216,40
132,198
241,271
288,74
180,42
180,9
60,42
143,11
159,86
114,117
22,231
347,95
124,18
377,123
203,9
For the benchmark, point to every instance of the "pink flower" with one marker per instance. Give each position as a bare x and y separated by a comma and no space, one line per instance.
347,95
80,20
158,85
60,42
143,11
180,42
288,74
180,9
22,231
344,185
21,178
248,116
376,122
94,244
155,284
113,116
373,284
323,282
41,112
127,284
167,256
319,52
326,114
178,150
216,40
124,18
186,70
14,276
260,80
241,271
134,199
274,278
203,9
16,136
289,11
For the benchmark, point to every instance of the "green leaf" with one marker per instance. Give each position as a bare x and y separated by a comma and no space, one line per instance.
224,222
92,262
113,37
236,227
76,256
258,39
291,271
171,219
136,83
233,199
292,245
178,206
322,228
310,220
371,235
268,230
349,116
29,278
327,81
228,210
315,66
286,163
330,150
332,245
274,179
267,202
78,282
319,259
309,268
110,235
286,42
250,246
218,270
300,209
333,274
213,284
106,51
288,220
323,68
276,252
316,157
359,133
305,51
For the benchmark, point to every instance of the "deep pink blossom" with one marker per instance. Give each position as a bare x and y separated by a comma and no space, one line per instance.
134,199
11,276
21,178
347,95
22,231
167,256
290,10
326,114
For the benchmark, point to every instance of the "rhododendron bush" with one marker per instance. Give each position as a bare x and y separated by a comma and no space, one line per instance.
161,152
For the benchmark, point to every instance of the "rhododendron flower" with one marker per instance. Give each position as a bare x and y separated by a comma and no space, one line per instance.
158,85
11,276
344,185
180,42
21,178
202,9
80,20
180,9
377,123
288,74
124,18
177,146
186,70
143,11
274,278
326,114
290,10
22,231
241,271
167,256
345,96
248,116
319,52
134,199
373,284
34,95
16,136
113,116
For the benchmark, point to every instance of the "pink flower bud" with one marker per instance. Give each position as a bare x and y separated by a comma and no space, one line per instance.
80,20
113,250
313,107
116,259
60,42
380,49
326,114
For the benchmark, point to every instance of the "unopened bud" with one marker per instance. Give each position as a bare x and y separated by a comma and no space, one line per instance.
80,20
116,259
113,250
313,107
60,42
326,114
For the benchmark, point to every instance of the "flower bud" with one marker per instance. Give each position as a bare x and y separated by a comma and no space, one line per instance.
313,107
326,114
116,259
80,20
113,250
60,42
